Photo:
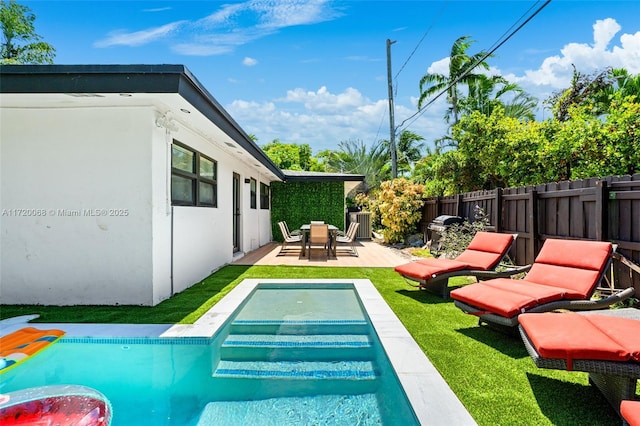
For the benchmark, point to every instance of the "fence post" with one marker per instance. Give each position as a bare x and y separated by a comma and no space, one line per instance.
602,218
532,219
459,205
497,210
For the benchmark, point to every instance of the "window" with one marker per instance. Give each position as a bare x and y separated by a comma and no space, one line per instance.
193,178
254,195
264,196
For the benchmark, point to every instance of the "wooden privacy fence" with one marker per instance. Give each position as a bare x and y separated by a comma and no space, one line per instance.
604,209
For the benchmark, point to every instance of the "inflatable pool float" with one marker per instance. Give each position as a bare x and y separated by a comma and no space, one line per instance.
24,343
59,405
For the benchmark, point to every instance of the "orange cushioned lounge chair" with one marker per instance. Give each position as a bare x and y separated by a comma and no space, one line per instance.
480,259
607,347
630,411
564,275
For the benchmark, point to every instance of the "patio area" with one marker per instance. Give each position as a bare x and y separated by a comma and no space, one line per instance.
370,254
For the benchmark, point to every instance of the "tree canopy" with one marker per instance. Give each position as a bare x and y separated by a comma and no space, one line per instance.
20,43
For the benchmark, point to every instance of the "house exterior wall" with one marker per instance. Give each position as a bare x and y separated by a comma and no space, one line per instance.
202,236
62,168
76,203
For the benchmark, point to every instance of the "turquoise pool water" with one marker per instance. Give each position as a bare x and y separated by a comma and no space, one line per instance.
302,355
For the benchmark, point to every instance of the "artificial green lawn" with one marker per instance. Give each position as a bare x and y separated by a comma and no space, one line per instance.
489,371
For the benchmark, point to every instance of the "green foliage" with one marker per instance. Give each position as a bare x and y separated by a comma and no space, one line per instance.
355,157
460,63
496,150
298,203
21,44
399,202
289,156
369,203
456,238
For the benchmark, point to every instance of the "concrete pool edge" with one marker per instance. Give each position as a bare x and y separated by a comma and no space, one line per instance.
433,401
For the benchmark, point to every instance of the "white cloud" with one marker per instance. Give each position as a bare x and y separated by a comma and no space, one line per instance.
138,38
231,26
158,9
322,119
556,71
249,62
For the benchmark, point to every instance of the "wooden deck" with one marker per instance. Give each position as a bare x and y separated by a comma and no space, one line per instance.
371,254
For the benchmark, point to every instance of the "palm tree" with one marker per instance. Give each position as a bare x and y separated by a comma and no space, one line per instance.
409,149
486,92
355,157
460,67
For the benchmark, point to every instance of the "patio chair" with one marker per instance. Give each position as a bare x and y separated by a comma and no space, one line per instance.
480,259
605,346
564,275
292,233
288,239
318,236
349,238
630,412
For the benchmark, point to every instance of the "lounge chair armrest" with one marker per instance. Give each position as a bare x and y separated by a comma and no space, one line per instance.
620,258
584,305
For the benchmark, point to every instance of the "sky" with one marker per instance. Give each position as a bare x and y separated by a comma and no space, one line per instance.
315,71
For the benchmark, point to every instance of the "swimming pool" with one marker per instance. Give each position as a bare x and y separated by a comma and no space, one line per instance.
306,360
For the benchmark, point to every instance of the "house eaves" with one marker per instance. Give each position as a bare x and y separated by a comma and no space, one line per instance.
92,80
304,176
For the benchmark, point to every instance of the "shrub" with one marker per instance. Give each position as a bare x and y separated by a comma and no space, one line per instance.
456,238
399,203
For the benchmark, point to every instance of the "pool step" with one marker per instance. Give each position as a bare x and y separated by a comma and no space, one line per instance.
297,347
298,327
341,370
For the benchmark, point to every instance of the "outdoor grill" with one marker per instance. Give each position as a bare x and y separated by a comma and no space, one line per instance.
437,227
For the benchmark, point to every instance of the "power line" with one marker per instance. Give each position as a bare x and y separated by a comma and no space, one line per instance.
421,40
464,74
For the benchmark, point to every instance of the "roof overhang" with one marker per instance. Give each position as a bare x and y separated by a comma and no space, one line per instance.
172,89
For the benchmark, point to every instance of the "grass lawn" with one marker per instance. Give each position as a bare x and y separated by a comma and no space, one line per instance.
489,371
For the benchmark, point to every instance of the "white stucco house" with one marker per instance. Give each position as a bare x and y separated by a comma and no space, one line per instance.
121,184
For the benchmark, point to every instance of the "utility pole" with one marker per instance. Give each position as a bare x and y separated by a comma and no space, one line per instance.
392,126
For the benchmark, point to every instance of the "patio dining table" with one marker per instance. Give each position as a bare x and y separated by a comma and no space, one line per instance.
333,233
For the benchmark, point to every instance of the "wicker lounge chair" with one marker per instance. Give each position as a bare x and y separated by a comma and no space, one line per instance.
630,412
607,347
564,276
480,259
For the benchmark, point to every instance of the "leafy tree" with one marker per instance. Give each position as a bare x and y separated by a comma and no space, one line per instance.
460,66
355,157
289,156
20,43
584,89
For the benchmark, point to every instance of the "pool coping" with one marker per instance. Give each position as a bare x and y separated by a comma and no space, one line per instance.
433,401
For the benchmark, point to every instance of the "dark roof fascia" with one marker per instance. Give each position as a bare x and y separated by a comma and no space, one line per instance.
36,79
327,177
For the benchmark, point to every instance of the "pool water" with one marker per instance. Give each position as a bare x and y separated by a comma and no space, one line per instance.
301,355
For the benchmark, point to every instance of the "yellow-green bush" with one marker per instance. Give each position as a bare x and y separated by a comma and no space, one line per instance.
399,202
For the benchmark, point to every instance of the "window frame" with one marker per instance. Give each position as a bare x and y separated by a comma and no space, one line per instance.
253,193
265,192
196,178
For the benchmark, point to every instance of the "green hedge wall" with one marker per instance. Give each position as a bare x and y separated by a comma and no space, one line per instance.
298,203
